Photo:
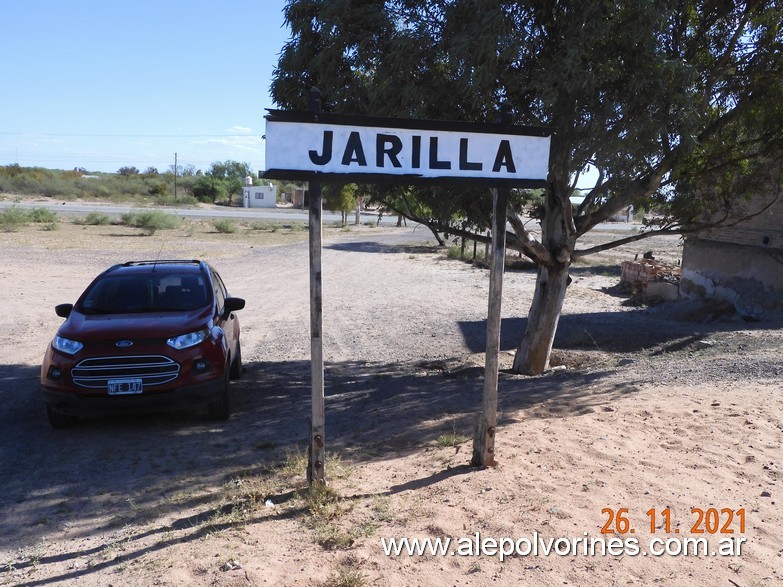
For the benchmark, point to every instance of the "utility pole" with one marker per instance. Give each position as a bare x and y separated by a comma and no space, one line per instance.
175,177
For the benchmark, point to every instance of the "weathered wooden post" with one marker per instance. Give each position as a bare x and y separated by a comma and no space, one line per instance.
484,439
316,454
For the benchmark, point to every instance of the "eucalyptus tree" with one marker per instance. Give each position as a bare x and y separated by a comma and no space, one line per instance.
677,103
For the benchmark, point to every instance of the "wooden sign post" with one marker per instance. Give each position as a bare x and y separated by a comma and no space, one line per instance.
316,453
484,439
486,425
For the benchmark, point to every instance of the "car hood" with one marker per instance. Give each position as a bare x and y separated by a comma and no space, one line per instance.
148,325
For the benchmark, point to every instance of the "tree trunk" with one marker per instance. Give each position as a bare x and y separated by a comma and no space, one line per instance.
532,357
558,239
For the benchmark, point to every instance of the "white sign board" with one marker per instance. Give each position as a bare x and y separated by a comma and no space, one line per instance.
452,151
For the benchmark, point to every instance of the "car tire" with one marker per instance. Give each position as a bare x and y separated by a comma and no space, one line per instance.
58,420
221,409
236,364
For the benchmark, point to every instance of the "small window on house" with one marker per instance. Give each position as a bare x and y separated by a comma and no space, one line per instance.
259,196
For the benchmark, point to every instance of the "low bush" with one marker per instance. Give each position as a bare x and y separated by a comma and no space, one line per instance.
180,200
43,215
150,221
97,219
262,225
12,218
225,225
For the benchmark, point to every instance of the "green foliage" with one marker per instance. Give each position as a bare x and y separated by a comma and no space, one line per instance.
12,218
68,185
341,198
38,181
230,169
97,219
225,225
209,189
11,170
233,187
231,175
678,106
454,252
42,215
453,439
347,577
158,189
150,221
265,225
181,200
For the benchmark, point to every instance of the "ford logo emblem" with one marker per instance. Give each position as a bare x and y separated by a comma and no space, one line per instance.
124,344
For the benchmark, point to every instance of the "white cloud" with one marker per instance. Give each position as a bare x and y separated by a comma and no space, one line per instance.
239,143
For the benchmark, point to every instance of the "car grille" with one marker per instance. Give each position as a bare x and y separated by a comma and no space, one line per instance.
153,370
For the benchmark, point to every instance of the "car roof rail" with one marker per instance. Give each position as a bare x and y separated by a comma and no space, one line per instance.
163,262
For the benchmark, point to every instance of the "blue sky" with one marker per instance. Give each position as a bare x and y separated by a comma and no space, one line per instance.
101,84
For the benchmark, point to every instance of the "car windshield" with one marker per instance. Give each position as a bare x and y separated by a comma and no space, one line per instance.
150,292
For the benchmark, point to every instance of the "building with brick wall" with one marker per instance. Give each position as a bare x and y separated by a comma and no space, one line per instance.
742,265
650,279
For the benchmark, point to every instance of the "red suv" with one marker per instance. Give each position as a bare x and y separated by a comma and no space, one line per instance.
144,336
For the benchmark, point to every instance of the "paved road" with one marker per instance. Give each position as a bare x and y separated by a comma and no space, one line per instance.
274,214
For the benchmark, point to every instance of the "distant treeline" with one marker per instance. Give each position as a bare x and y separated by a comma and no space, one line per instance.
219,184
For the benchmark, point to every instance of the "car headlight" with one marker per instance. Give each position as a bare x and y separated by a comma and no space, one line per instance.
185,341
66,345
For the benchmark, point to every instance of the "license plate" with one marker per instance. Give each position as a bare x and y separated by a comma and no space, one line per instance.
125,386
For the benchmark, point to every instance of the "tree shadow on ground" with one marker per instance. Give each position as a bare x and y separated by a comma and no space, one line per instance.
145,471
646,330
382,247
613,270
106,473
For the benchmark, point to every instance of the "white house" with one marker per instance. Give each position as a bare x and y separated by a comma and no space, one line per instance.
259,196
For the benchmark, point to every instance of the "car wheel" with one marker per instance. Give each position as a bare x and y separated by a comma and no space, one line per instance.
236,364
221,409
58,420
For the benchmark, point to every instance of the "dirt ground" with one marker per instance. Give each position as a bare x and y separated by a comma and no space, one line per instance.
650,408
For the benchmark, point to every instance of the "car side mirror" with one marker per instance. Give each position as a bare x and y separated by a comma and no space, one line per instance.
63,310
233,304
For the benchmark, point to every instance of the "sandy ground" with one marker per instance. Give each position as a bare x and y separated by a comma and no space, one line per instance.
657,408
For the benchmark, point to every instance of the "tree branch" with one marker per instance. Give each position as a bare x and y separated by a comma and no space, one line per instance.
512,241
530,246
